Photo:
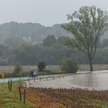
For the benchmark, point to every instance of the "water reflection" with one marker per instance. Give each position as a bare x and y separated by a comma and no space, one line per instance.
99,80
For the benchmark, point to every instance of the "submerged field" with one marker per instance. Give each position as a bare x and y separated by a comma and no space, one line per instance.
9,69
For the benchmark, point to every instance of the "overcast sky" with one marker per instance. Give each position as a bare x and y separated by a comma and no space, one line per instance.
45,12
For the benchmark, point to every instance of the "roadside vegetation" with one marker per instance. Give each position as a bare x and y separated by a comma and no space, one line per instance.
26,74
68,66
55,70
11,99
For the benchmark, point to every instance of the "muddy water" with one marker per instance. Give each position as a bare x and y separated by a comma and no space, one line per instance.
94,80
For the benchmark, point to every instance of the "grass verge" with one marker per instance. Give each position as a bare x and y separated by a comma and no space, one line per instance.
11,99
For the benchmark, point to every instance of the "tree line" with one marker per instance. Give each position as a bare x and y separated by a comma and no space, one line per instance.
86,28
52,51
35,31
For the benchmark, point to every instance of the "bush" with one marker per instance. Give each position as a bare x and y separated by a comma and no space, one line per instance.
41,66
12,75
0,75
106,68
18,68
70,65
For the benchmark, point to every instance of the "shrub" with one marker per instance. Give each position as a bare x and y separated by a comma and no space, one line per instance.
41,66
0,75
70,65
106,68
18,68
10,75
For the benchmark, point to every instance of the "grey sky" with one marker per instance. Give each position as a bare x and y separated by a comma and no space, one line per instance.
45,12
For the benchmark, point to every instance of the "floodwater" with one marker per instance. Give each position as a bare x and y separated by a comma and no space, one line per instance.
97,80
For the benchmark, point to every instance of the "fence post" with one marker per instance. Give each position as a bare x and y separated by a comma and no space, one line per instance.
19,81
59,77
24,95
40,78
28,80
34,78
8,84
20,93
11,86
53,77
46,78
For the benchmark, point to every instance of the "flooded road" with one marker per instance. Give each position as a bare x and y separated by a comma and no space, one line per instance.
98,80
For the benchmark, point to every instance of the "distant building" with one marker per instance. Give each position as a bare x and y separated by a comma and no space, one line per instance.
25,39
37,42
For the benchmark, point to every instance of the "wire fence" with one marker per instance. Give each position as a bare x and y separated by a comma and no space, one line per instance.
22,89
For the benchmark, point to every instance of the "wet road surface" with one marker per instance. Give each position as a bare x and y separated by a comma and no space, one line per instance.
98,79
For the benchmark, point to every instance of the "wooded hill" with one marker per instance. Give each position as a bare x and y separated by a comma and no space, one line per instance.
35,31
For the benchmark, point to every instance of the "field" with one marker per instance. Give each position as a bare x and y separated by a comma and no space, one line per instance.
9,69
72,98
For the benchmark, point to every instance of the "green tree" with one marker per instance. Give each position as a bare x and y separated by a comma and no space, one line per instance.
13,41
49,40
3,51
41,66
69,65
61,39
18,68
87,26
104,43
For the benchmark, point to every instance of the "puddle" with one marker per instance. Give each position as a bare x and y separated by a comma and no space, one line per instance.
95,80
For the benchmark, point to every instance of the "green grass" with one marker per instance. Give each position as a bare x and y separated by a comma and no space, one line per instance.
11,99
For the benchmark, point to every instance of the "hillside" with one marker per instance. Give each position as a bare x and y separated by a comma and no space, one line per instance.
33,31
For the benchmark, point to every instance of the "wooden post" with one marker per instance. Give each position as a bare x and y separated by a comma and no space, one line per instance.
40,78
19,81
24,95
20,93
53,77
11,86
34,78
59,77
28,80
8,84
